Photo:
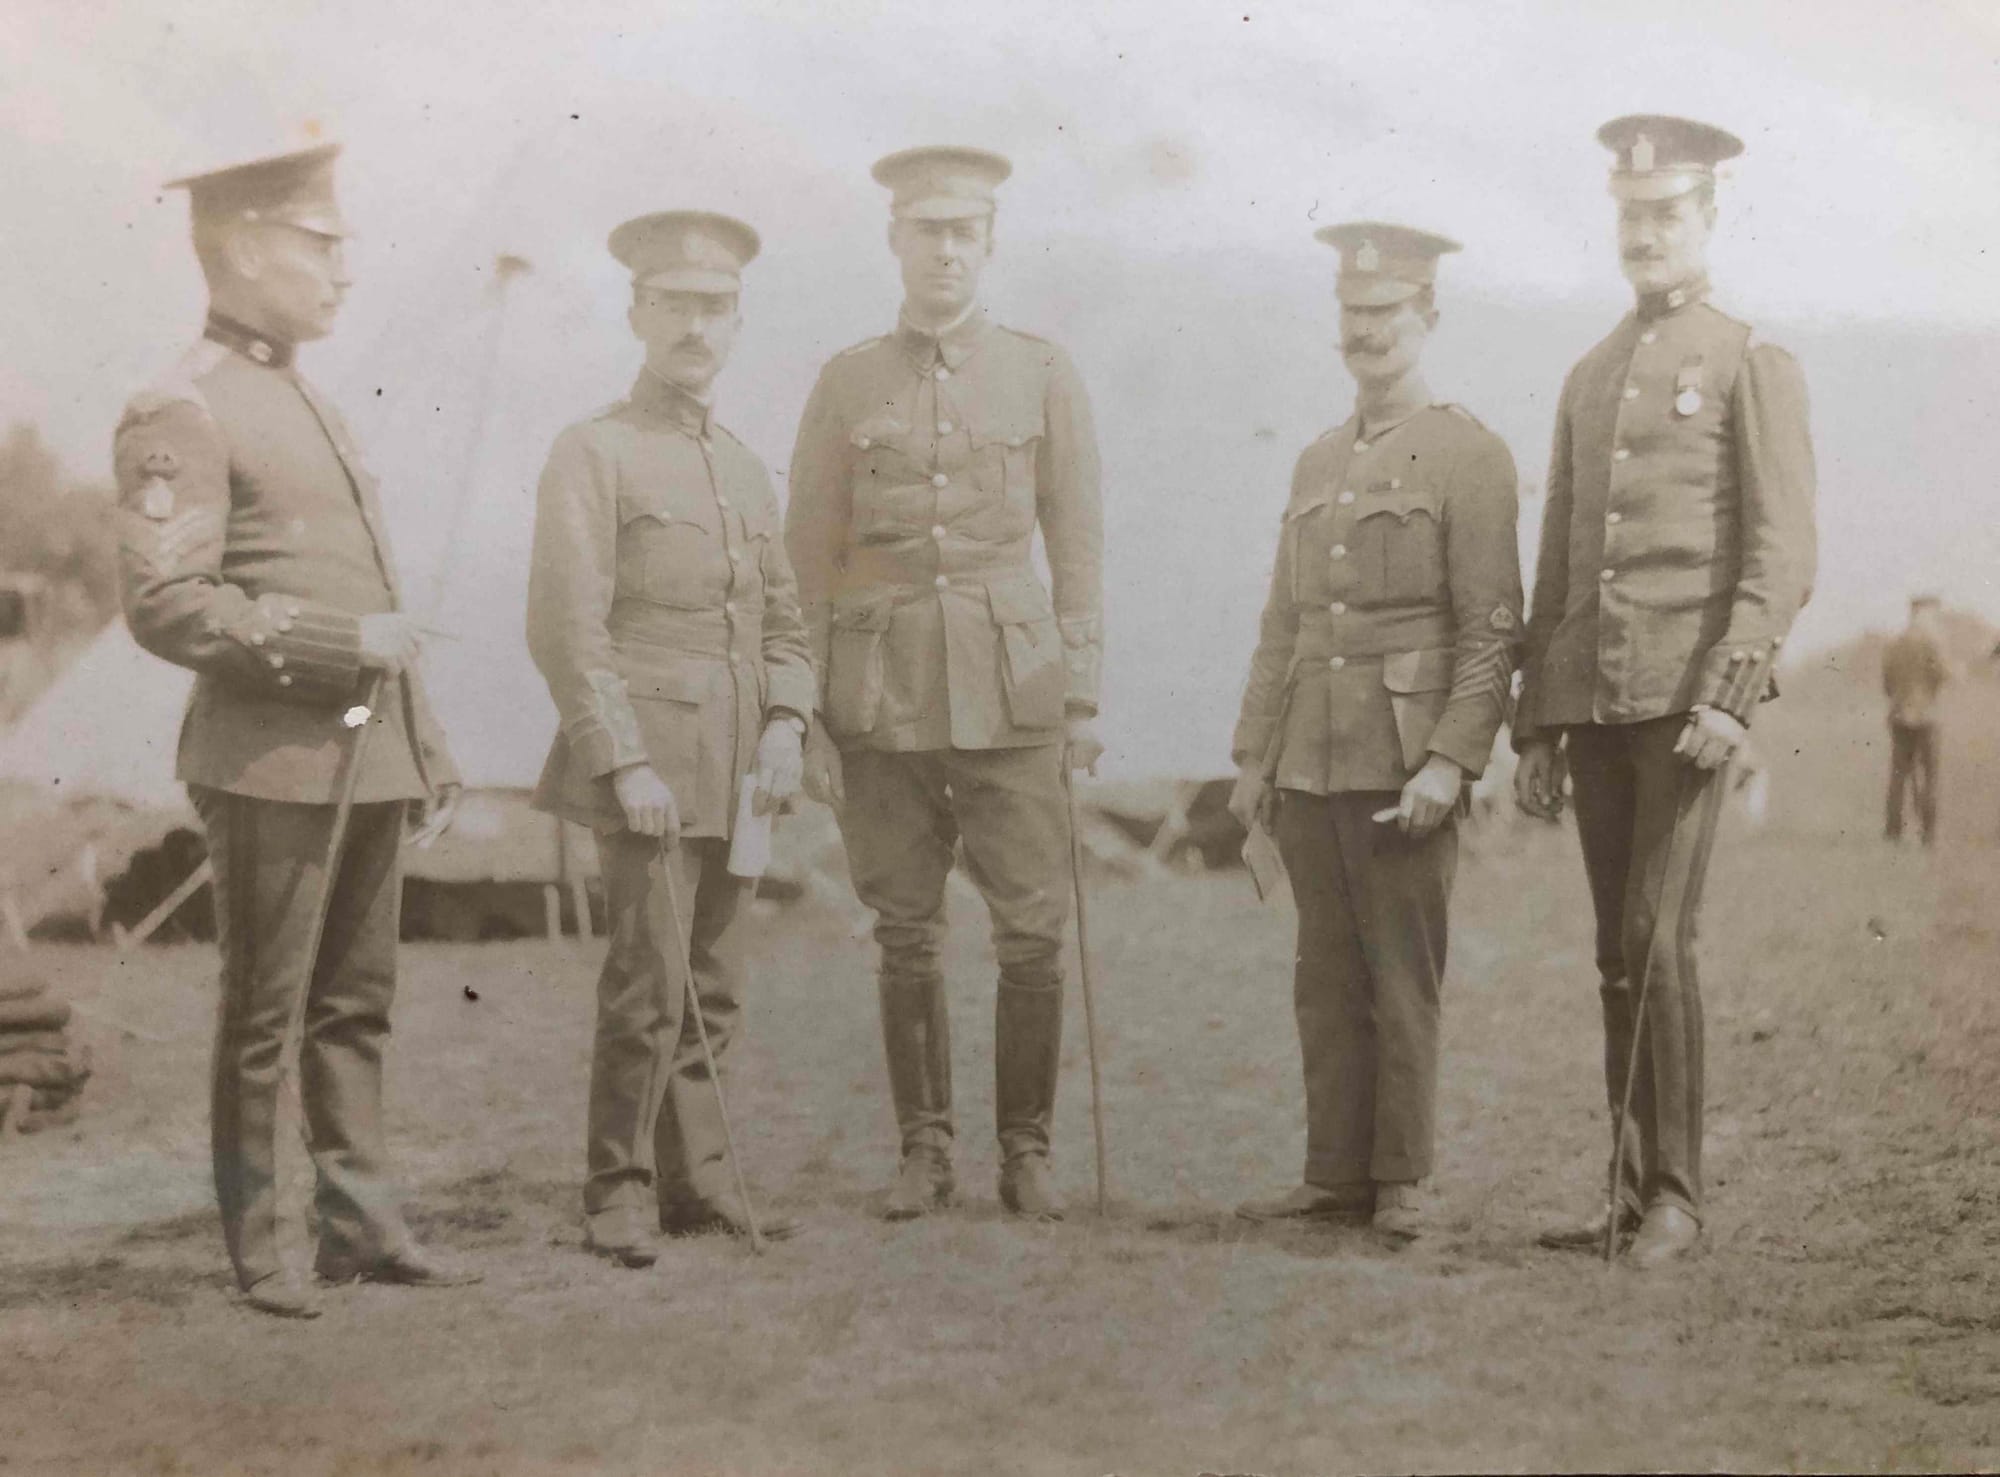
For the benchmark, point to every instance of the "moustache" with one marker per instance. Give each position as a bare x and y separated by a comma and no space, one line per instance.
1362,346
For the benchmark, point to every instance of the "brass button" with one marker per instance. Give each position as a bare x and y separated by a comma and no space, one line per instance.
1614,517
276,661
257,638
1339,607
938,479
1631,392
1648,336
942,582
1338,551
1360,445
1605,574
937,530
941,373
285,680
1336,662
1346,497
1622,454
944,428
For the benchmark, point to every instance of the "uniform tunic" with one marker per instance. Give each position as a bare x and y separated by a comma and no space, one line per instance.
1677,547
1914,675
251,544
663,614
1388,636
925,464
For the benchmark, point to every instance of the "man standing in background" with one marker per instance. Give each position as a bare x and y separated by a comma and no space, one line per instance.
252,551
1914,675
1677,546
954,691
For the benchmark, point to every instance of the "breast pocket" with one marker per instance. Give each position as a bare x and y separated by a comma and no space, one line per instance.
1301,537
670,553
1399,539
1005,444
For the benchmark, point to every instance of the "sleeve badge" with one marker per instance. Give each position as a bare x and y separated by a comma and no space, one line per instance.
1502,619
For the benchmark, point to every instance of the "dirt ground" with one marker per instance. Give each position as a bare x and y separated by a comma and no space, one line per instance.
1844,1315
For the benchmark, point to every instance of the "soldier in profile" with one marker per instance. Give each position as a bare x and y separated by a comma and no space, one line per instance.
1381,675
1915,673
253,551
664,617
955,688
1677,546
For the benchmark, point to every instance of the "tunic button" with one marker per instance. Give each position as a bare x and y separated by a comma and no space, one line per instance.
257,638
864,442
1336,662
1622,454
277,662
1648,336
938,479
285,680
937,530
1360,445
942,582
1339,607
941,373
1631,392
1395,484
944,428
1338,551
1614,517
729,607
1017,441
1605,574
1346,497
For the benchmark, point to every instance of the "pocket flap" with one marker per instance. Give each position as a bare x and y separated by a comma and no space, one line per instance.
871,616
1417,671
1398,503
1011,428
677,684
1019,602
1310,504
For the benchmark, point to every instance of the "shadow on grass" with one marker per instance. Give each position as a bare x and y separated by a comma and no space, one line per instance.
189,1225
101,1279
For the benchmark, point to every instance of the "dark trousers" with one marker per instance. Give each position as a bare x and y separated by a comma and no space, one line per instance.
1913,765
1634,797
1372,906
654,1122
270,873
904,815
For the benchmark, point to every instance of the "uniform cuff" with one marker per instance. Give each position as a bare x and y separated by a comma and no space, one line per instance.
1252,738
1083,656
1738,677
298,650
794,688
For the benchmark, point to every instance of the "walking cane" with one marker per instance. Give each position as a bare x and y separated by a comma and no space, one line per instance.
1681,845
1089,1000
691,1003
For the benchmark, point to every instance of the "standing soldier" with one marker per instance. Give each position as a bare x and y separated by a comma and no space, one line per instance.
1380,678
1914,674
664,617
1677,546
253,552
954,691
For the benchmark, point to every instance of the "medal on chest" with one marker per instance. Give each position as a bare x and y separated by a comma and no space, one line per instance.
1687,388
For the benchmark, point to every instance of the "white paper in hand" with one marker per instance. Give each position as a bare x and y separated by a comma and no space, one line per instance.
750,839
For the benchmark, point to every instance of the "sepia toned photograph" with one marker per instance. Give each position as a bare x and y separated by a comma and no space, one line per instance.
747,738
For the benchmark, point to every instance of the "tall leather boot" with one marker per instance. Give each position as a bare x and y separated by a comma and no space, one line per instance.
1027,1054
916,1037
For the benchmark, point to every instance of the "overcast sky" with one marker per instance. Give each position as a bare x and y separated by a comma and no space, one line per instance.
1141,130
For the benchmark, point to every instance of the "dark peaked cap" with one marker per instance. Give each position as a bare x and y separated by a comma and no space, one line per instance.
941,182
294,189
1383,264
685,250
1661,157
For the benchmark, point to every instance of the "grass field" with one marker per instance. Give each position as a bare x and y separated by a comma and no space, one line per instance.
1847,1313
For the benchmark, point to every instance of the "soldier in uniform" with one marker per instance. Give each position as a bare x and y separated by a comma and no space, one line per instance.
1676,548
1914,675
1381,675
663,614
253,552
954,691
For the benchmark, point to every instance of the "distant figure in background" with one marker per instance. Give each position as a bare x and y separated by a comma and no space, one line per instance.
1914,675
1382,669
1677,547
252,551
663,614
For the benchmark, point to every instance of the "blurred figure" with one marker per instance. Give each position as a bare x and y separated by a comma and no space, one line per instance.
1914,675
956,691
252,551
1676,549
1381,674
664,617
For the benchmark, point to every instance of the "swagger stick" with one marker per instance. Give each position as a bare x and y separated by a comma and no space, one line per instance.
691,1003
1089,999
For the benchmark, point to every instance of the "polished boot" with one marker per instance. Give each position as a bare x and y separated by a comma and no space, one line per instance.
1666,1235
924,1183
1027,1055
725,1215
916,1038
1025,1189
1400,1211
282,1295
1588,1234
620,1234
